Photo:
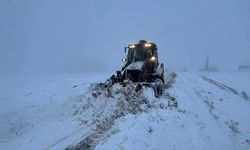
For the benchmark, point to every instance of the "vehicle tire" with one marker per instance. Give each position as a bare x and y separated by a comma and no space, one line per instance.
158,87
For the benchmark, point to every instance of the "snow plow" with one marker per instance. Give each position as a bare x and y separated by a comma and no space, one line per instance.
142,68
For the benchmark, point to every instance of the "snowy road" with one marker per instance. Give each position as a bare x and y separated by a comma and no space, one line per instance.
61,111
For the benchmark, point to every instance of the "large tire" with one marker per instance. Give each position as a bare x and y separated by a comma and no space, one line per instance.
162,66
158,87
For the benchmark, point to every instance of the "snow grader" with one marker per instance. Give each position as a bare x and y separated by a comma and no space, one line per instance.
142,68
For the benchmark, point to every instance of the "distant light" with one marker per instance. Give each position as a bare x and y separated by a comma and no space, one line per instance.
147,45
131,46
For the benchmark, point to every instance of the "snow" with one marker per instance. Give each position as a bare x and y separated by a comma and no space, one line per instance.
207,118
63,110
38,113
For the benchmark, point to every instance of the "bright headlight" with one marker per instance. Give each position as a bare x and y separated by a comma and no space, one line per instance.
147,45
131,46
152,58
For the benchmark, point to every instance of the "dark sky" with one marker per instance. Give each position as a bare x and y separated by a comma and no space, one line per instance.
37,36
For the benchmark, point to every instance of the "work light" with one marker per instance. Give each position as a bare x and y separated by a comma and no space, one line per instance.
152,58
131,46
147,45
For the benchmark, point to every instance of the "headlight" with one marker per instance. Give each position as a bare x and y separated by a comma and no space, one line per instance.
131,46
147,45
153,58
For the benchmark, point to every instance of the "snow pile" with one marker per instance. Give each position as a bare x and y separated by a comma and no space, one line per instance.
208,117
102,107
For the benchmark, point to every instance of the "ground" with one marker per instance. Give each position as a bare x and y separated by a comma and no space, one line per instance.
68,111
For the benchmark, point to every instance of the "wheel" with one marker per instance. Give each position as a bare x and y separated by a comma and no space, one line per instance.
158,87
162,67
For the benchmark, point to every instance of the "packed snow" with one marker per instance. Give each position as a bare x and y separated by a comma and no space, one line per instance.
69,111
